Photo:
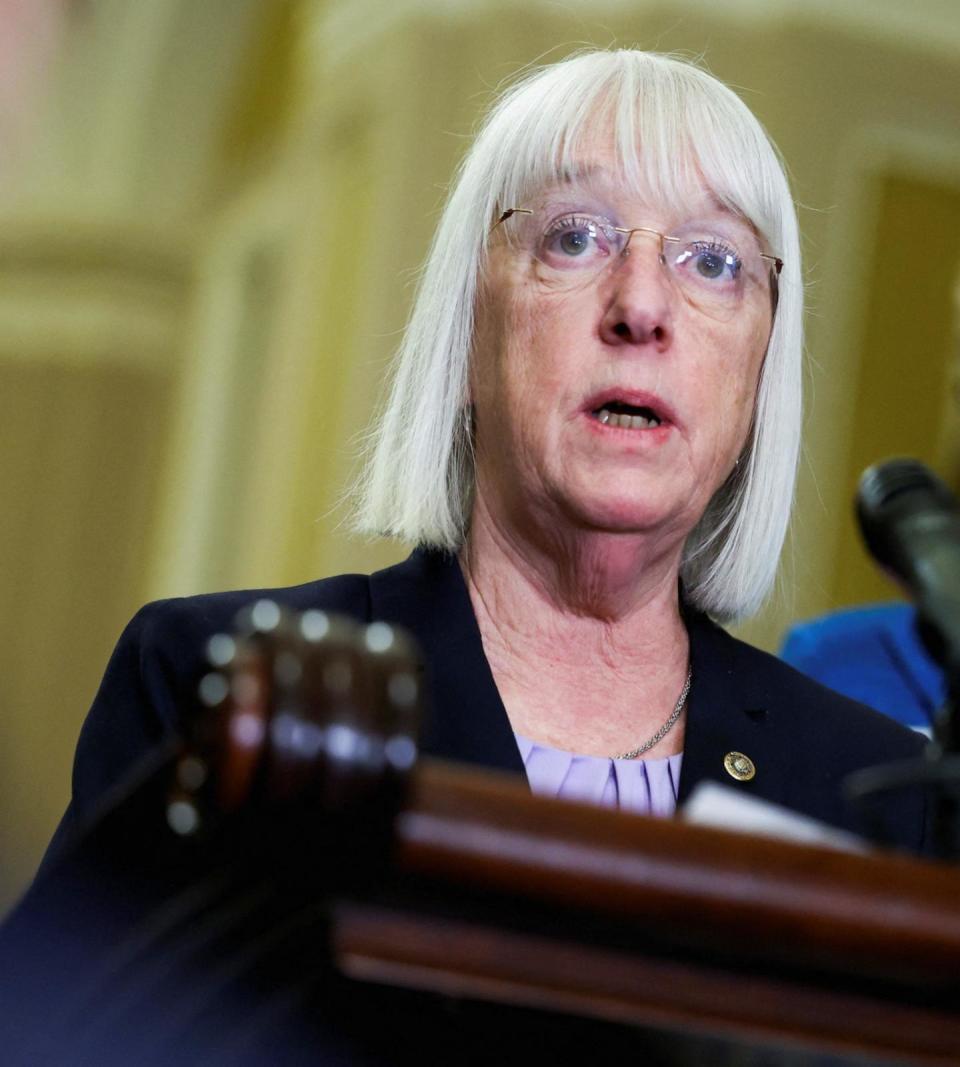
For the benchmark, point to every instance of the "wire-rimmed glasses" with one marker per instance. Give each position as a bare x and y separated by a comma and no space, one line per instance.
715,267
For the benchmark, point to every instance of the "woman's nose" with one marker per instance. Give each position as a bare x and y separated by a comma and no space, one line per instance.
641,299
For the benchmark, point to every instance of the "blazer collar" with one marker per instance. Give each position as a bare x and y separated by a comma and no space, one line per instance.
727,709
731,709
467,721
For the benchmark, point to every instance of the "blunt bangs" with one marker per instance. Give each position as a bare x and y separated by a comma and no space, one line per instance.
674,130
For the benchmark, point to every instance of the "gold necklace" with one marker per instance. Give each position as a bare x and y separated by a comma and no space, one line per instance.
667,726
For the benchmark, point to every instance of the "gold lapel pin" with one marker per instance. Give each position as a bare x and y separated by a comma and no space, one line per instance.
739,766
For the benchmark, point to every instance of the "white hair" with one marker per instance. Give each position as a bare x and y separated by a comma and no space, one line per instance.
674,128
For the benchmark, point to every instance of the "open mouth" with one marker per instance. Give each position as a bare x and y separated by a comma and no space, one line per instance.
626,416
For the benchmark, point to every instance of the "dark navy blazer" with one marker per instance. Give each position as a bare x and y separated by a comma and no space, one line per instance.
60,941
803,738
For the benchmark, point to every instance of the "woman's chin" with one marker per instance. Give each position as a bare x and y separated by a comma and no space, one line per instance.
619,514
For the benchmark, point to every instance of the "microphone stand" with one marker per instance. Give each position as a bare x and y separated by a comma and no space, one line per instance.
938,769
944,753
910,521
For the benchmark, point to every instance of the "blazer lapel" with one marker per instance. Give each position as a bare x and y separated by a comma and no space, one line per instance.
730,710
467,721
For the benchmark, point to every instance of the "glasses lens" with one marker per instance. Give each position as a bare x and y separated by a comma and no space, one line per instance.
569,247
712,273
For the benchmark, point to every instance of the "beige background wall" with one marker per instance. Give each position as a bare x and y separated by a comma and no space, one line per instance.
209,234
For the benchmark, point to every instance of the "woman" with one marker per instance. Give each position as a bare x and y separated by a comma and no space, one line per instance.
592,438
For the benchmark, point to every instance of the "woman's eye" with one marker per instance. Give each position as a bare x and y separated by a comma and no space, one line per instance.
575,242
711,264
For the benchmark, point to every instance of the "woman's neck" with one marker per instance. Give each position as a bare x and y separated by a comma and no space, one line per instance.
585,640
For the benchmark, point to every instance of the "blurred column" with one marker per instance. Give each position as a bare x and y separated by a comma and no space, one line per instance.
113,121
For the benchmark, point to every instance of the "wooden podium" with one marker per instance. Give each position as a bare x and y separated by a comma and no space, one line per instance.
306,892
547,913
657,923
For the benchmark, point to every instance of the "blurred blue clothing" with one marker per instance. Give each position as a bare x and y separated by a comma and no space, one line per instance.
872,654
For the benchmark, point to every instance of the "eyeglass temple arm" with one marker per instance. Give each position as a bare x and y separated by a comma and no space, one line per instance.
512,211
775,260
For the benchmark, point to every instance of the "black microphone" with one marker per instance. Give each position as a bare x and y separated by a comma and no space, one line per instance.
911,523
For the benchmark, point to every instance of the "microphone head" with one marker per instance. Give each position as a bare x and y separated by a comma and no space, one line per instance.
897,491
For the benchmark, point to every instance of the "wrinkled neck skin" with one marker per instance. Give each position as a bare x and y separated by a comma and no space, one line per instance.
581,627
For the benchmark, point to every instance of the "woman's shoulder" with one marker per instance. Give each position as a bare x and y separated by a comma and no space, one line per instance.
813,713
804,738
186,621
157,661
177,617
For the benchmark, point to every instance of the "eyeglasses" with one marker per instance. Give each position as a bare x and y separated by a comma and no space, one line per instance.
715,268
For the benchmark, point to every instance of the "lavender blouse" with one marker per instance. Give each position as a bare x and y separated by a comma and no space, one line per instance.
644,787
